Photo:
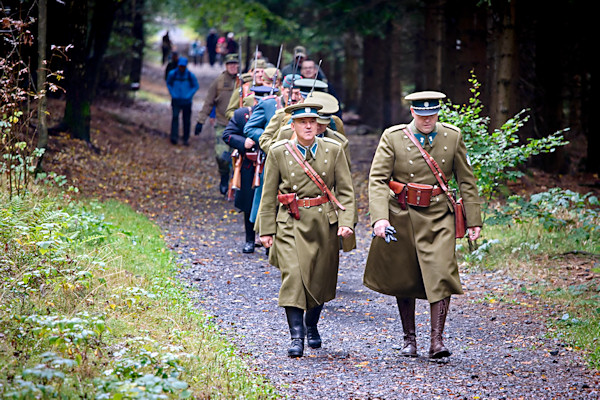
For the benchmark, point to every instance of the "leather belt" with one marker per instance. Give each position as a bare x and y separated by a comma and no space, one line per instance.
316,201
399,186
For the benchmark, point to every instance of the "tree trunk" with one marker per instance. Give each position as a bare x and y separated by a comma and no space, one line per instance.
137,8
89,45
435,27
351,90
503,71
42,126
375,70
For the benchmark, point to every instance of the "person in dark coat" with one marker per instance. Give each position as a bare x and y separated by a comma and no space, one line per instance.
211,46
233,135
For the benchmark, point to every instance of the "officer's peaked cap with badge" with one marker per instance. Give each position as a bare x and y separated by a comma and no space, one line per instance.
330,103
306,85
231,58
261,91
304,110
426,103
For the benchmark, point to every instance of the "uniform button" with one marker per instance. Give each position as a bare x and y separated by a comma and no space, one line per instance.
443,161
408,148
445,148
287,153
320,209
290,162
325,161
323,173
295,187
412,175
445,133
410,161
293,174
405,137
326,150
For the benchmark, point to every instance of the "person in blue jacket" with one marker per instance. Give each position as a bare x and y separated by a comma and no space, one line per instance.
182,85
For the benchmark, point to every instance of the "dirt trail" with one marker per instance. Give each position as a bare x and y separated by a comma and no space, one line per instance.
500,348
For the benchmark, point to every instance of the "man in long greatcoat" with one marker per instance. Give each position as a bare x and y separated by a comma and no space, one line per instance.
421,263
306,243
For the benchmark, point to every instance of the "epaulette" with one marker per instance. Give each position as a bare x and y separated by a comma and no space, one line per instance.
450,126
330,140
338,135
278,143
395,128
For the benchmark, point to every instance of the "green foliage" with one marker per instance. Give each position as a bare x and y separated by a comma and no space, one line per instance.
91,308
495,156
556,209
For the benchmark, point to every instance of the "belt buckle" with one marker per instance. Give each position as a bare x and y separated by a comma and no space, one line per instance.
306,202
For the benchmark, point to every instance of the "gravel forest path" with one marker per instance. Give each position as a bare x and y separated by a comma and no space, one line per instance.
496,331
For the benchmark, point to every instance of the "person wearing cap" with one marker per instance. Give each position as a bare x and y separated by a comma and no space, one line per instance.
254,77
290,94
299,55
217,98
182,85
233,135
305,244
421,263
263,114
331,108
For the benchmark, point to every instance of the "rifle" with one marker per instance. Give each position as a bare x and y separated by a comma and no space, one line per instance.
276,69
294,71
259,165
236,159
254,67
239,75
315,80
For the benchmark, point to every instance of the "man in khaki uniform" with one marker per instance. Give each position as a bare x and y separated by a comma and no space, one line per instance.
254,77
421,263
302,220
218,96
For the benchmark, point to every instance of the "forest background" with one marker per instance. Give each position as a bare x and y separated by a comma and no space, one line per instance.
526,54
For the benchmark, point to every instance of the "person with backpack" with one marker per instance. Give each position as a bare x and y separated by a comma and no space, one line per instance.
182,85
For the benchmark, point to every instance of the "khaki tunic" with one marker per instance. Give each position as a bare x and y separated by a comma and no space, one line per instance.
307,250
218,95
422,263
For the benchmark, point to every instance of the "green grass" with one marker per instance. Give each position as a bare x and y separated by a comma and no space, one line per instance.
559,263
89,306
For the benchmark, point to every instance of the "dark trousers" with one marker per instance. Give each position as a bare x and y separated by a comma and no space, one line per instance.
186,111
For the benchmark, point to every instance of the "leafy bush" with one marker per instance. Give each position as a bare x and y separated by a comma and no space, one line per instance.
495,155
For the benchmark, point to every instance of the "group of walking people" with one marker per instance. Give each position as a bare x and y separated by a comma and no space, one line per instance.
281,146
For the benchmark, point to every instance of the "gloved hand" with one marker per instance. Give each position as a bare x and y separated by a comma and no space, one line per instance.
389,234
198,128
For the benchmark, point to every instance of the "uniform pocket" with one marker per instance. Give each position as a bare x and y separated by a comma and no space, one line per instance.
394,206
282,215
332,216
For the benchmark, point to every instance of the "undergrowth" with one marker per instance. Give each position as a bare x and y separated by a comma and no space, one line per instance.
551,241
89,308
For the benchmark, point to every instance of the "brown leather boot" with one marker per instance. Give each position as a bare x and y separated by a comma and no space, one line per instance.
439,311
406,306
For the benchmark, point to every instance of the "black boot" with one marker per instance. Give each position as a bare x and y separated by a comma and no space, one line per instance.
311,319
295,318
224,184
406,306
439,311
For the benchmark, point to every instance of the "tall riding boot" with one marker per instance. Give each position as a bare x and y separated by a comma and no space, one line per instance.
295,318
406,306
439,311
311,319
